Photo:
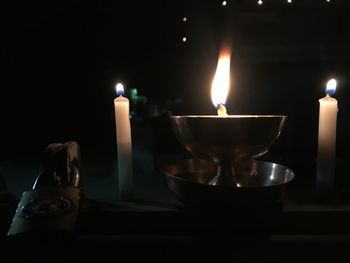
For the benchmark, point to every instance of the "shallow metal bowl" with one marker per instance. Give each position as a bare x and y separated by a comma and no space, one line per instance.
189,181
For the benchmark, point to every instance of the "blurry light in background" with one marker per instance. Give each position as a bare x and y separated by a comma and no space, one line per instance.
289,1
224,3
184,19
260,2
184,39
135,98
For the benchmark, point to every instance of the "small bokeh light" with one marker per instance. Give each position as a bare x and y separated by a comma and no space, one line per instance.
224,3
184,39
184,19
260,2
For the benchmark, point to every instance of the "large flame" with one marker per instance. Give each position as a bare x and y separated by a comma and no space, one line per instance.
221,82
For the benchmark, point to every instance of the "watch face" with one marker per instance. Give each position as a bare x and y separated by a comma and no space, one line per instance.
47,207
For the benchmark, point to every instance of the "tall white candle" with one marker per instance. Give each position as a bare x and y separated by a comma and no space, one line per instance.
327,129
124,146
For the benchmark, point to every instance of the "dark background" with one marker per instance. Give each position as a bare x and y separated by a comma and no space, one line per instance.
61,60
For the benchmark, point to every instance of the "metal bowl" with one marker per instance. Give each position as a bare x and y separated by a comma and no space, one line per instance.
230,141
227,139
189,181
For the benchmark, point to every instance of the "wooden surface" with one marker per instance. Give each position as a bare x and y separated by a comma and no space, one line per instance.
167,231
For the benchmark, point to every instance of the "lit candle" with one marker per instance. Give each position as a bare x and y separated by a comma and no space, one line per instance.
124,148
221,82
327,128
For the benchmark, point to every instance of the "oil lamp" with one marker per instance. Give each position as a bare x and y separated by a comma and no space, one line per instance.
230,141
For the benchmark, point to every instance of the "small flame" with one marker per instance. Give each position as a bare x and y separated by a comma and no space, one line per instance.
331,87
119,88
221,81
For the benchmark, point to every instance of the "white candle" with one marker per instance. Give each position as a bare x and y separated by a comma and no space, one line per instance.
124,147
327,129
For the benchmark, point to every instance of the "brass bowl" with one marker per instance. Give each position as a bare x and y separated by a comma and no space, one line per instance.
230,142
189,180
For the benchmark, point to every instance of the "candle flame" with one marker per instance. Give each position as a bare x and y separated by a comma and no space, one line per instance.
221,82
119,88
331,86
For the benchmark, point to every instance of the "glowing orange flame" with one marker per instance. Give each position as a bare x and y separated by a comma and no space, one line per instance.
221,82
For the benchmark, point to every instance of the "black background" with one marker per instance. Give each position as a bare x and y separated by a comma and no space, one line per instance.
61,59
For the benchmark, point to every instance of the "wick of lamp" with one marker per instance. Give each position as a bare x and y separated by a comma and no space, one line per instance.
222,112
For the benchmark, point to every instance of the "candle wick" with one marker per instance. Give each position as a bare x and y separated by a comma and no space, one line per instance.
330,92
221,109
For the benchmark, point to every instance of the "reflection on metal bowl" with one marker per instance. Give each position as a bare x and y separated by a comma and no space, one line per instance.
262,184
